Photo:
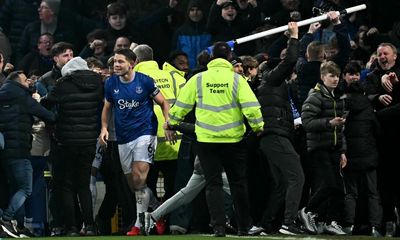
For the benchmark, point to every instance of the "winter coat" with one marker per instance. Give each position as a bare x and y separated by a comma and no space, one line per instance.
273,95
46,82
14,16
78,96
388,116
191,38
34,61
318,109
17,108
361,128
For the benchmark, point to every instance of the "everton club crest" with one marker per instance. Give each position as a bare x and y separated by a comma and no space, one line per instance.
139,90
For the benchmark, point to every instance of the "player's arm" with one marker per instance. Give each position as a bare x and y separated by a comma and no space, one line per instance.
160,100
105,116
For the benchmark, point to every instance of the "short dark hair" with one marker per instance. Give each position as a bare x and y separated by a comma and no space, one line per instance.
174,54
129,54
352,67
60,47
221,50
203,58
46,34
93,62
97,34
116,8
14,76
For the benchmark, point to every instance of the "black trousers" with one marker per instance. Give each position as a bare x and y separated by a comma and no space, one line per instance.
117,192
357,182
388,176
328,185
287,173
214,157
168,169
74,165
4,191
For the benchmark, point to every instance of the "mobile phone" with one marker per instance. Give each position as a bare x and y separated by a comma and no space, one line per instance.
345,114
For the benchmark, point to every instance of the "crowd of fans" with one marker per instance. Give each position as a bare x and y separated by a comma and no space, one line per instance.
329,97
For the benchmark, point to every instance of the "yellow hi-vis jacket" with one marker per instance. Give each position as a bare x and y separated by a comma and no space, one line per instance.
176,73
170,88
222,97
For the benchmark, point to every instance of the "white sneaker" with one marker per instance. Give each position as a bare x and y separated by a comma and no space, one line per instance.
148,222
254,230
308,220
334,228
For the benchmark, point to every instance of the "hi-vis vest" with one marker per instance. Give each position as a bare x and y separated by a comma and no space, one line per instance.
222,97
170,88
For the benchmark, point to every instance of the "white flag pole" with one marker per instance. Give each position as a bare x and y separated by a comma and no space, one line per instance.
300,23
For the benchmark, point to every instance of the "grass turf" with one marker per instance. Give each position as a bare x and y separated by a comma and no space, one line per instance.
208,237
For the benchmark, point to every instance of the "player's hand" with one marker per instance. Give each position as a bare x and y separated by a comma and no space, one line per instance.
103,137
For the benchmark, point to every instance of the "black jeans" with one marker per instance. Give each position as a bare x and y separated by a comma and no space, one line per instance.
74,166
328,185
4,189
168,170
287,173
117,192
356,181
214,157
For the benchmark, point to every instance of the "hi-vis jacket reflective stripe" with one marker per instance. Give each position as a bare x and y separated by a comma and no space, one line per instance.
222,97
170,87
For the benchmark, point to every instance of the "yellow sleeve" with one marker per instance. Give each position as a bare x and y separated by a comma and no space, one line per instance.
185,102
250,106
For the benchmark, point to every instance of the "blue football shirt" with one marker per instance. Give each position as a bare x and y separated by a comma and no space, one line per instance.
133,104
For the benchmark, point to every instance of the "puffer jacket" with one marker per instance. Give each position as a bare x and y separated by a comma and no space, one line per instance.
273,95
320,107
17,108
78,96
361,128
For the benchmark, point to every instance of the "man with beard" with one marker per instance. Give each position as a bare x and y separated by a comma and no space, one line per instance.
131,95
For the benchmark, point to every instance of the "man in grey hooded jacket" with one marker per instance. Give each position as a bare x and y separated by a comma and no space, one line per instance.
78,95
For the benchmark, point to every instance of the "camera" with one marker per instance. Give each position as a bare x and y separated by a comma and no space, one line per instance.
322,7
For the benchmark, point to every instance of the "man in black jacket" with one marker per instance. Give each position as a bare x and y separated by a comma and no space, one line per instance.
62,52
77,95
17,108
277,139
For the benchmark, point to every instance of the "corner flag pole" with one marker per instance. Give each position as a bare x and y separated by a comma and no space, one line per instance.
284,28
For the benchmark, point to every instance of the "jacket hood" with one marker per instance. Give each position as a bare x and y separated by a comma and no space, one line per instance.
77,63
146,66
85,79
194,3
170,68
220,62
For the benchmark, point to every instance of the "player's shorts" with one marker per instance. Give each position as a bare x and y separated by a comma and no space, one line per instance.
141,149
